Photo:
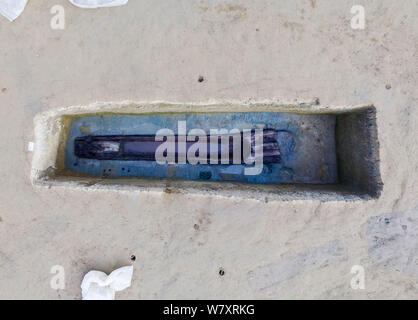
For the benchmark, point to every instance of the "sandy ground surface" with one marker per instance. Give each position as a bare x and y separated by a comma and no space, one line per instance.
156,50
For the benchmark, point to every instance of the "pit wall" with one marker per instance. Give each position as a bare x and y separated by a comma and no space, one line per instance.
356,137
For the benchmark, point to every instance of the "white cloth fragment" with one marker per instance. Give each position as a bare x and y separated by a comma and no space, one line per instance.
97,285
11,9
98,3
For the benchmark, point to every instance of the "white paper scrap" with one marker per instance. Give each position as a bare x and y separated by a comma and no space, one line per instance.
97,285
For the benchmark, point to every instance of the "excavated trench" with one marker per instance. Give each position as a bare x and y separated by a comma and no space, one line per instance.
332,153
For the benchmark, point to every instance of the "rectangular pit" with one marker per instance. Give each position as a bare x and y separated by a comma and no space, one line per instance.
326,153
